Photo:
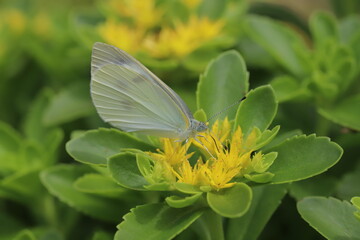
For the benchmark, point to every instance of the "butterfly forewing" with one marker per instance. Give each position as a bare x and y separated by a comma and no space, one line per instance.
125,95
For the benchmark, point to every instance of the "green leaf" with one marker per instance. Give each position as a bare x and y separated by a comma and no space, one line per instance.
98,184
186,188
10,144
95,146
287,88
17,187
266,137
316,186
260,177
265,201
331,217
181,202
156,222
301,157
231,202
71,103
212,9
224,82
344,113
125,171
25,235
200,115
347,187
257,110
59,180
323,28
282,43
281,138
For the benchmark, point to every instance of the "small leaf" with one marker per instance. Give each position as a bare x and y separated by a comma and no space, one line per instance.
344,113
95,146
280,138
96,183
181,202
70,104
301,157
260,177
323,27
186,188
212,9
25,235
156,222
200,115
257,110
266,137
281,42
125,171
287,88
346,187
231,202
224,82
59,181
331,217
249,226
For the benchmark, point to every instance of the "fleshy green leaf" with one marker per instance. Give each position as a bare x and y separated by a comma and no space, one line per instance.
224,82
186,188
266,137
231,202
257,110
181,202
287,88
301,157
125,171
59,180
316,186
283,44
260,177
10,143
17,187
156,222
331,217
212,9
323,28
344,113
96,146
265,201
98,184
71,103
346,187
25,235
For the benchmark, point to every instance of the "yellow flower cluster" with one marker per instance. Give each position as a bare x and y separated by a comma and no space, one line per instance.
138,28
227,158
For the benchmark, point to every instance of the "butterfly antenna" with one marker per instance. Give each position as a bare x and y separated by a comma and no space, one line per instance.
227,108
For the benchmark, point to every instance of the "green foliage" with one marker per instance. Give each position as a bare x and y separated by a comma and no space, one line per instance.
233,202
224,82
331,217
156,221
298,79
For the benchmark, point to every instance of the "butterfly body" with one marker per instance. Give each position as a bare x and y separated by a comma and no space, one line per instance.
130,97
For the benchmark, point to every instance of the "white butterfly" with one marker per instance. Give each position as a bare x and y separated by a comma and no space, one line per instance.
130,97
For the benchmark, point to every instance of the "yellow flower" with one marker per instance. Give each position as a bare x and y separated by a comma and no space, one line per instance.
41,25
183,38
121,35
231,156
15,20
145,14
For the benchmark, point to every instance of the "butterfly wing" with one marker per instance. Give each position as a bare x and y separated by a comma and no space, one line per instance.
130,97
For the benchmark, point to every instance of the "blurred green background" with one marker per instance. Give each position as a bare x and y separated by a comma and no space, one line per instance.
45,54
